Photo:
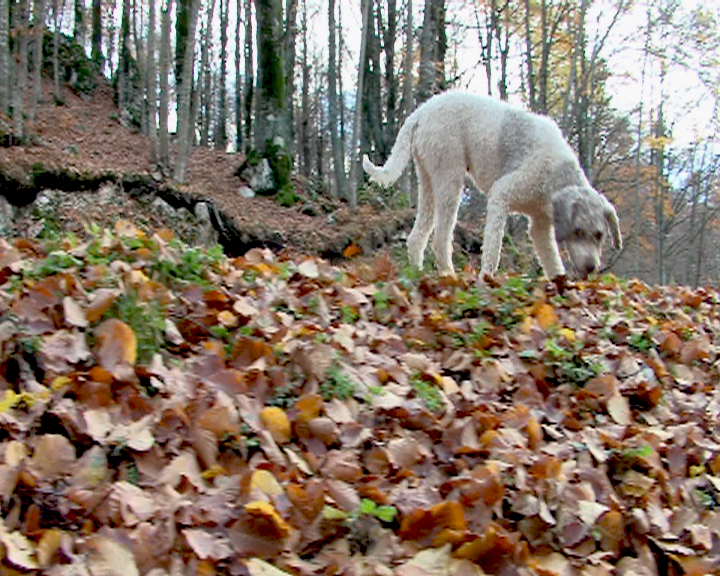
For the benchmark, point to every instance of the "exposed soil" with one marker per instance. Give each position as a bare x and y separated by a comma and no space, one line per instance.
82,144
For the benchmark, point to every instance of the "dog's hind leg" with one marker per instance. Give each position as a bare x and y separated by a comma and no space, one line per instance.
424,219
543,237
447,201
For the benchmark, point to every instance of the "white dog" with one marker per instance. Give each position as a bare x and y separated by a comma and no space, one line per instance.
523,164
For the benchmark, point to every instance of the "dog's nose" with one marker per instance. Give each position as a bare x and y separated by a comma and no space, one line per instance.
587,268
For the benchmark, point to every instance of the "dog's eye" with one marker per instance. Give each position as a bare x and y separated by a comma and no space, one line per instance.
598,236
579,233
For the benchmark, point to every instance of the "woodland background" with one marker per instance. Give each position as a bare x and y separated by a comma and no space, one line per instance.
312,85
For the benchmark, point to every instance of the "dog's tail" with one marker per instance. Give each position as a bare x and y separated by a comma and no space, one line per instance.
399,157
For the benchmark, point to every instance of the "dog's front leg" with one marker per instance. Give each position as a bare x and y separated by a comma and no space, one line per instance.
542,234
497,214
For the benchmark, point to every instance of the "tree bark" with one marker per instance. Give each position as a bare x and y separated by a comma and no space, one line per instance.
79,31
354,159
407,98
206,75
97,54
4,56
238,81
56,43
151,76
338,160
22,69
306,152
221,126
38,36
164,137
185,120
433,44
289,51
249,74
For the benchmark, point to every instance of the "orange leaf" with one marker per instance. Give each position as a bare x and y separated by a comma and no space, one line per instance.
117,344
352,250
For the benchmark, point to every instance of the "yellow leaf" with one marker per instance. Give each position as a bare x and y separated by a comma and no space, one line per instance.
227,319
277,422
568,333
265,482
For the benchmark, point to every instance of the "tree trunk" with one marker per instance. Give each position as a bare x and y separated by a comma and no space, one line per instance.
123,73
372,133
4,56
249,74
79,31
185,120
206,74
164,136
433,44
338,160
238,82
56,43
289,50
182,23
22,68
407,98
139,61
354,159
97,54
306,164
151,82
272,118
529,58
221,128
391,81
38,35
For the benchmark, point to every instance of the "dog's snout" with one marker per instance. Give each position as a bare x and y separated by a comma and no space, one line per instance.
588,268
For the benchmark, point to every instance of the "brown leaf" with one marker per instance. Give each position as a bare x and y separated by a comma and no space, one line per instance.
208,545
53,456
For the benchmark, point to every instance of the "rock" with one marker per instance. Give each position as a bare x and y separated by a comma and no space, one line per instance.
246,192
163,209
260,177
7,218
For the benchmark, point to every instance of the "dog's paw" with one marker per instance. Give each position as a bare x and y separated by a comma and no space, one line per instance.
558,285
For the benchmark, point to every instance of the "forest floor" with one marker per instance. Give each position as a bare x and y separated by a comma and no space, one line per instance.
83,143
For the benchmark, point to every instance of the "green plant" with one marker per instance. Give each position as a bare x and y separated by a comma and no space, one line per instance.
349,314
428,393
568,362
337,384
54,263
467,303
641,342
147,320
367,507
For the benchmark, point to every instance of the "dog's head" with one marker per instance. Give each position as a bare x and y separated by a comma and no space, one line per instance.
583,220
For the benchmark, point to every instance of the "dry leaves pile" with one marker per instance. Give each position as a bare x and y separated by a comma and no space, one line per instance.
170,411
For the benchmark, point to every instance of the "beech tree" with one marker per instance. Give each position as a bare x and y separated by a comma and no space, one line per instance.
4,56
338,159
97,54
185,120
272,121
38,35
23,10
164,137
151,84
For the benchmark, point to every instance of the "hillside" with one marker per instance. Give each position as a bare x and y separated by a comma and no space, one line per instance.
167,409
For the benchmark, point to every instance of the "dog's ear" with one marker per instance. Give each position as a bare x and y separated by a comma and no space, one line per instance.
613,223
565,207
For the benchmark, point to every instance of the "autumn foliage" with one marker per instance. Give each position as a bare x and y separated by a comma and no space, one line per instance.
168,410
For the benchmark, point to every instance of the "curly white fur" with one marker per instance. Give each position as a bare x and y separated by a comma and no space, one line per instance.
522,163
